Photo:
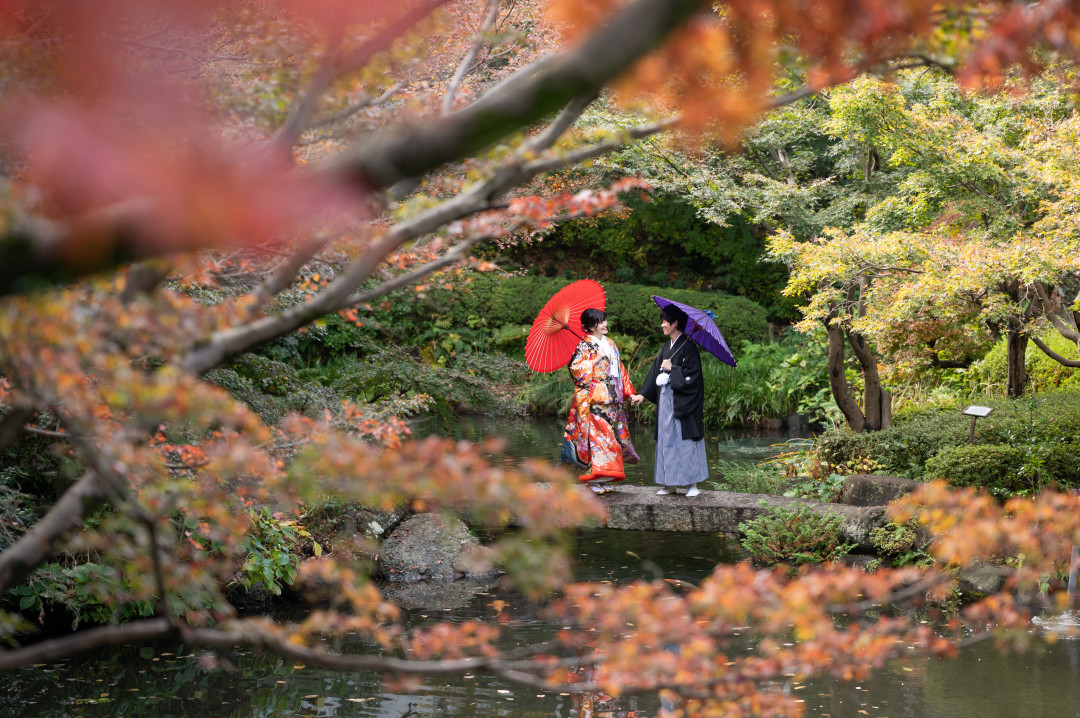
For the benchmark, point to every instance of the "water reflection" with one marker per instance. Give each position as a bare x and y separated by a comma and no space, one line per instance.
167,680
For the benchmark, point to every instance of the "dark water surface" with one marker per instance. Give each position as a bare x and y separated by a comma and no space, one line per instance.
168,680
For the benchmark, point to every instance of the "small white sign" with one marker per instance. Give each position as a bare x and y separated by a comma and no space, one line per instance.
978,411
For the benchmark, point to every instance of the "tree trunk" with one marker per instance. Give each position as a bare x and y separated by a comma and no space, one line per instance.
838,382
877,401
1015,349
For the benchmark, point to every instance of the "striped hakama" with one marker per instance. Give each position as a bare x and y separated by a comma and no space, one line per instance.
679,462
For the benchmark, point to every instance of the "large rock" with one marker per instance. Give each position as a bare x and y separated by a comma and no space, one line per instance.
638,508
982,579
432,547
875,490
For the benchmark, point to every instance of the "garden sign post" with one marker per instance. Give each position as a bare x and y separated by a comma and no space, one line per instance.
975,412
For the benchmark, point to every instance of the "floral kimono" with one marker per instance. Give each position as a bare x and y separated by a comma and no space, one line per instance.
597,426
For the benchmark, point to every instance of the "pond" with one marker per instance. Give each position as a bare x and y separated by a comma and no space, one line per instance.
168,680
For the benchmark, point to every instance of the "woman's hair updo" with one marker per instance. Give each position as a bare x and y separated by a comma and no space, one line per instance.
590,318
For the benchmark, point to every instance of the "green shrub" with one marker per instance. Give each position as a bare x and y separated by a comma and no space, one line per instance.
273,388
747,478
1063,464
634,312
85,593
1033,423
900,544
474,382
988,376
773,380
273,545
904,448
665,241
992,466
488,303
794,537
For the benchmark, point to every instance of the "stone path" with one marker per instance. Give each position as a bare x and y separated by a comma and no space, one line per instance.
638,508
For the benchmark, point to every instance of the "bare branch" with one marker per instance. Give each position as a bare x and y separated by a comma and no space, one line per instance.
284,274
356,107
334,64
36,546
467,61
360,57
586,153
58,648
567,117
456,254
320,82
45,432
1058,314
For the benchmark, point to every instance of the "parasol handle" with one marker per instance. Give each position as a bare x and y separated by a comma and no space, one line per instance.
567,328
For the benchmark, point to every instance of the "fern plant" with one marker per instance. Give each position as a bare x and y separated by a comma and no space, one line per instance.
793,536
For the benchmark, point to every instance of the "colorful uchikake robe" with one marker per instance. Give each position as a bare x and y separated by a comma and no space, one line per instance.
597,426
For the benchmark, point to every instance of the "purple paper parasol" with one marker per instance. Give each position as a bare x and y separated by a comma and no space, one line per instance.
702,329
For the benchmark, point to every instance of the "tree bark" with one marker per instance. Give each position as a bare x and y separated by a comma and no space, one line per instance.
1015,350
838,382
877,401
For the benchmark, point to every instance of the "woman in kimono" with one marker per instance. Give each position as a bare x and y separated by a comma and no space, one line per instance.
674,384
597,427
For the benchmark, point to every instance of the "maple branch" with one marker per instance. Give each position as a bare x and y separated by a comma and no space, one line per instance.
354,108
59,648
37,544
456,254
1057,317
1053,354
360,57
562,122
897,597
334,64
320,82
32,253
284,274
45,432
523,98
590,151
466,62
475,198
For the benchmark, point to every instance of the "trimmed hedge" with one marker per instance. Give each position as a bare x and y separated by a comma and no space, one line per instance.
991,466
493,302
1050,420
1063,464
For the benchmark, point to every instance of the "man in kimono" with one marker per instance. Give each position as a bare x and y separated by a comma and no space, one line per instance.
674,384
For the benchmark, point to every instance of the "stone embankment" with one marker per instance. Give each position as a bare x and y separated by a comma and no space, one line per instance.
638,508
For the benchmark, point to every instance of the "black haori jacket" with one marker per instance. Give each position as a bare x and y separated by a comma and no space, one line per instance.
687,387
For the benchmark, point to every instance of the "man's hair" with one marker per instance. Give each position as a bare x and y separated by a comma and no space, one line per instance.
673,315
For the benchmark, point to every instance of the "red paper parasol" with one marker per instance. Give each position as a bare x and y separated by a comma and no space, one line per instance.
557,330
